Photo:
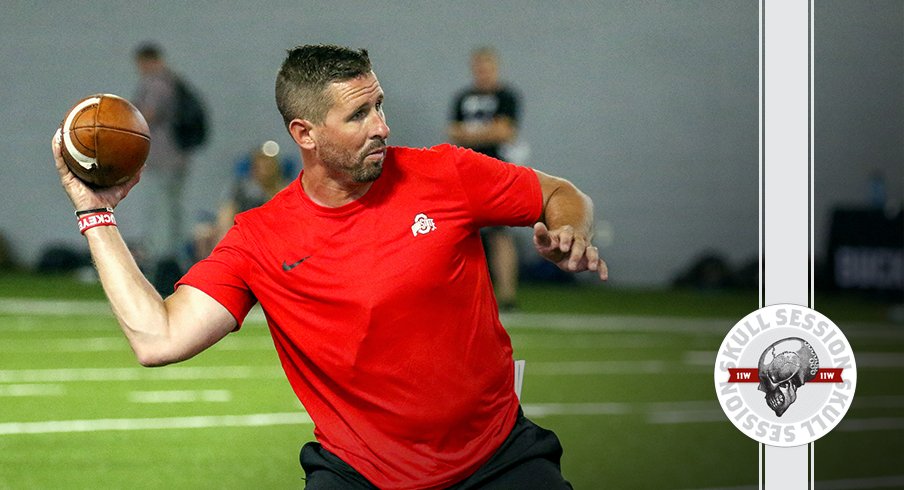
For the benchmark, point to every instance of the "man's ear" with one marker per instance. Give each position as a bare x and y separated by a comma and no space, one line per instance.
301,131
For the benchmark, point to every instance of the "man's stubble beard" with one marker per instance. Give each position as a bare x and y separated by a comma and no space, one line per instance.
345,161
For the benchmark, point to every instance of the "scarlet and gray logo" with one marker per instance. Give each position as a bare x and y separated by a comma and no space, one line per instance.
764,363
422,225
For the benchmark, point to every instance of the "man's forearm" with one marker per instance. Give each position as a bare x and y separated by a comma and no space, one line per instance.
139,309
566,205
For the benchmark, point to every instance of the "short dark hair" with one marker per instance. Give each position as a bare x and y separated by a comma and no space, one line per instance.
148,51
484,52
307,72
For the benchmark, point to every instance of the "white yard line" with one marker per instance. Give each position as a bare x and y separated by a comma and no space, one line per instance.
656,413
527,339
200,422
614,323
180,396
552,321
31,390
137,373
514,321
94,344
598,367
117,342
49,307
259,342
540,410
64,375
708,411
694,361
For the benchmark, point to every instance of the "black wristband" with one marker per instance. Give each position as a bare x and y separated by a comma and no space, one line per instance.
79,214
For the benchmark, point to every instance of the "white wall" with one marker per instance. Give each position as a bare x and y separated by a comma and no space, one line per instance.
650,107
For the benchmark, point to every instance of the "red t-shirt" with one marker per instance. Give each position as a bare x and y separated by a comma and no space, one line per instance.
383,313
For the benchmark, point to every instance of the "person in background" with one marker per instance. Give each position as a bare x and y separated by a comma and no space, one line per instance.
166,168
259,176
485,118
258,179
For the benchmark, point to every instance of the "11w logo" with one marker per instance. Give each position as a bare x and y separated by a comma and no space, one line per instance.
752,375
785,375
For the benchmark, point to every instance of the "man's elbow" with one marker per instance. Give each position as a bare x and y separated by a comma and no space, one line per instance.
149,356
153,361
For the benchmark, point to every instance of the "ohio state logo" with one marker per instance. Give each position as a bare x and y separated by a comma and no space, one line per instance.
785,375
422,225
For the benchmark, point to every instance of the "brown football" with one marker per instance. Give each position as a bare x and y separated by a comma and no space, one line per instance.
105,140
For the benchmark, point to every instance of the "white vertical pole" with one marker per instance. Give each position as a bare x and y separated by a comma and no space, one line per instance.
785,213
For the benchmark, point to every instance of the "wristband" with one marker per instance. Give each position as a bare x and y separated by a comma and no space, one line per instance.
79,214
104,218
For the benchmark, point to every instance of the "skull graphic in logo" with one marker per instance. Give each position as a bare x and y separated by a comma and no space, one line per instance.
784,367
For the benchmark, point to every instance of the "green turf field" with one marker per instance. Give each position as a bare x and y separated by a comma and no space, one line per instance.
626,384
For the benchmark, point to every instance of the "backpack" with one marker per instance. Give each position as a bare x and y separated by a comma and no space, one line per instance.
190,126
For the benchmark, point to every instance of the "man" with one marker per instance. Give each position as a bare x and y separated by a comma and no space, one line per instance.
167,165
484,118
370,271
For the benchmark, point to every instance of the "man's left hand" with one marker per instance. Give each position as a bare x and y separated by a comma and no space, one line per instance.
570,251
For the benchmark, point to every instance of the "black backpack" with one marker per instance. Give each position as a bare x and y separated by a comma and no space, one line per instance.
190,127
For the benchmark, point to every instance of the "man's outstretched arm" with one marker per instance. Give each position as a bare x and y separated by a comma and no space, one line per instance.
565,231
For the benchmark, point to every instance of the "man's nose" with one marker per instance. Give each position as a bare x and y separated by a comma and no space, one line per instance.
380,128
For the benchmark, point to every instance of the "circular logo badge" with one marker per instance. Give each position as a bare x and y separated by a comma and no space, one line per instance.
785,375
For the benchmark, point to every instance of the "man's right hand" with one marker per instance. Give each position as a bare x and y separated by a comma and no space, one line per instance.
81,195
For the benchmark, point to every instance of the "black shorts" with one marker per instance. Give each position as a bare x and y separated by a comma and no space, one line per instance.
528,459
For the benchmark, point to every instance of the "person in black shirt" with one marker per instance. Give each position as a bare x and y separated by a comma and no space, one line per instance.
485,118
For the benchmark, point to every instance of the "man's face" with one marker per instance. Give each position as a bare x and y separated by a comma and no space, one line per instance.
352,137
147,66
485,70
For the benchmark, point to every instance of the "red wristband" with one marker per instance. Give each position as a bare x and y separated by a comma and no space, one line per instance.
89,221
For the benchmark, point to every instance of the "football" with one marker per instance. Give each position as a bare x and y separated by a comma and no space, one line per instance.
105,140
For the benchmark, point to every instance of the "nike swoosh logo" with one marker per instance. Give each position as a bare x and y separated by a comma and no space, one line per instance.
287,267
